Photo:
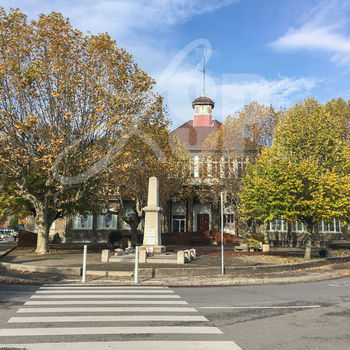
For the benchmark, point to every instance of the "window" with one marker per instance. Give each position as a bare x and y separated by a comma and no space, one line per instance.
179,223
333,226
229,220
277,225
106,222
196,166
337,225
192,166
298,226
82,222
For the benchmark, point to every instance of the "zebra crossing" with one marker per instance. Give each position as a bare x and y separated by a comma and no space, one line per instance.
71,317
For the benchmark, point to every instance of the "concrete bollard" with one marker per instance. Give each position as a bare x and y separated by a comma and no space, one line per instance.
187,255
105,255
265,247
83,280
181,257
193,254
142,256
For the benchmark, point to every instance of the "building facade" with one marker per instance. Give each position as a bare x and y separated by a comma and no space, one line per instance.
192,214
195,215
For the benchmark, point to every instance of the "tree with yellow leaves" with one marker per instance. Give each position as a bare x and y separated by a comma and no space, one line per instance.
227,152
167,159
304,176
66,102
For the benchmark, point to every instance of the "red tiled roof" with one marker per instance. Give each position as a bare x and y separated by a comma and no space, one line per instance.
194,136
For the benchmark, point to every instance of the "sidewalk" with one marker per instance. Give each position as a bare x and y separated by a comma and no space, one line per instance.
6,246
65,267
298,276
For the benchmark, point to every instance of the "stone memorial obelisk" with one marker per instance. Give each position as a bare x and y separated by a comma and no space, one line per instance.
152,234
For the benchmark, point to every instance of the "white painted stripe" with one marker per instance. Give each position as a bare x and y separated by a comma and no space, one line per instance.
104,296
100,285
261,307
132,345
23,332
106,309
93,292
121,318
99,288
106,302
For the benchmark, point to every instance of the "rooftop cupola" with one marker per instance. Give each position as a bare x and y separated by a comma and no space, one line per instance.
203,107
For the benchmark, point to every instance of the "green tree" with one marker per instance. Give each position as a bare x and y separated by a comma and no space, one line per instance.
227,153
65,101
339,109
305,175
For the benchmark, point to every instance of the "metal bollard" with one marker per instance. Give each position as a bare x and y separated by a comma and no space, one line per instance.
136,273
84,264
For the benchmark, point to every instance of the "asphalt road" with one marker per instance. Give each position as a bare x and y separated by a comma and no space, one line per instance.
294,316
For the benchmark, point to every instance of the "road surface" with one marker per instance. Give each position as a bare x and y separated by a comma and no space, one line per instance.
297,316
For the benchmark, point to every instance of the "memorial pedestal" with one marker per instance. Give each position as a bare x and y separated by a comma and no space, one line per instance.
152,234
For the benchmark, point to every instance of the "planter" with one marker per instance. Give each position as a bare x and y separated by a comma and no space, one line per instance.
244,247
266,247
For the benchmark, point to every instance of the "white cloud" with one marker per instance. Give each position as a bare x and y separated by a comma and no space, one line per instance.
140,26
121,17
324,30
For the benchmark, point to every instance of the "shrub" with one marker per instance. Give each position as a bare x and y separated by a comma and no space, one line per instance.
259,238
254,245
115,236
324,253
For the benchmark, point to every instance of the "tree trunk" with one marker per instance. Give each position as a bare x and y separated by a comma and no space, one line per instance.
289,233
235,226
309,228
42,245
134,232
215,212
189,226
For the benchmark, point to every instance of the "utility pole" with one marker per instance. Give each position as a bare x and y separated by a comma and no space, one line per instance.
203,70
222,232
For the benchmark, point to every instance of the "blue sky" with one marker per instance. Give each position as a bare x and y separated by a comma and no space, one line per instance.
271,51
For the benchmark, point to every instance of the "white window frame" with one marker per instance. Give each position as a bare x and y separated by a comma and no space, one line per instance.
282,223
113,225
182,220
77,218
325,224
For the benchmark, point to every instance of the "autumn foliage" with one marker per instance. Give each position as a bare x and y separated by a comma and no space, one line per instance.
305,175
66,101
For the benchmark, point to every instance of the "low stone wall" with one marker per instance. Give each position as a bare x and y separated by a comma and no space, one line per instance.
176,272
199,238
27,239
185,238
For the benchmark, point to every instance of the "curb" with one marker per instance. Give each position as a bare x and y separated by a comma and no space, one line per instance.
43,269
160,272
9,279
8,251
213,283
248,281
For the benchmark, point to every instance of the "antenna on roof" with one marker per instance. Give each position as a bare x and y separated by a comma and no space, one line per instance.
203,70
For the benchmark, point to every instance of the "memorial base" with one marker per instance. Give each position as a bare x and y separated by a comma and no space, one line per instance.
155,248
